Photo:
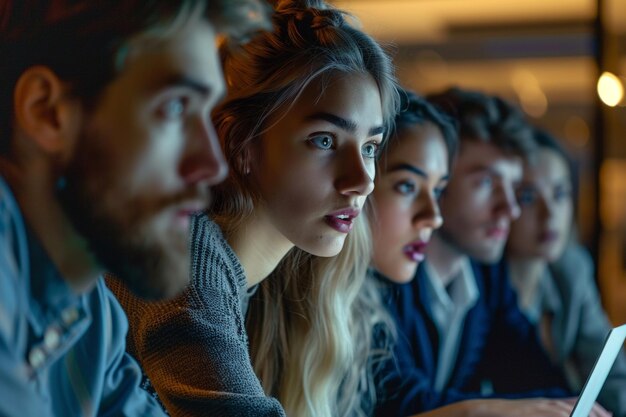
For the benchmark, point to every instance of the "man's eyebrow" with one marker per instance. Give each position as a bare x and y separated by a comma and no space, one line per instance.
344,124
417,171
483,169
188,82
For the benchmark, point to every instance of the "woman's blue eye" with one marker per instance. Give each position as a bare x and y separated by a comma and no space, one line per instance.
405,187
370,150
438,192
325,142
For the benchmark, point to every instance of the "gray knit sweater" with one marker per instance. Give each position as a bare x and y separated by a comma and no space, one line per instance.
194,348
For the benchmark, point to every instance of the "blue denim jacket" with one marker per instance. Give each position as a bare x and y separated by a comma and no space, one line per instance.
61,353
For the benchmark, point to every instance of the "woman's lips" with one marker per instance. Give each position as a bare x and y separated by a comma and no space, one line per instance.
548,236
342,220
415,251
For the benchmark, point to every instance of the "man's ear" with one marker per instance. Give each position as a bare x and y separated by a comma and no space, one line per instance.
43,110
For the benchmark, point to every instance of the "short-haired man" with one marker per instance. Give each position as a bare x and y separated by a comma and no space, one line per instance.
461,334
106,147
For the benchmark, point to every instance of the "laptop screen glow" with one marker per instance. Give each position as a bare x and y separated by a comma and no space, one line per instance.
612,346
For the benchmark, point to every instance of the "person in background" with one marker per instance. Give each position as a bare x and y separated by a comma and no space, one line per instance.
413,171
553,275
105,148
306,110
458,323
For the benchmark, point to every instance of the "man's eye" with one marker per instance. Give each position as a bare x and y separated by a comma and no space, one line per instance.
370,150
562,194
486,182
324,142
526,197
173,108
405,187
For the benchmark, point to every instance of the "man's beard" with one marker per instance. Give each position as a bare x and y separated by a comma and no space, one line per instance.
122,232
150,270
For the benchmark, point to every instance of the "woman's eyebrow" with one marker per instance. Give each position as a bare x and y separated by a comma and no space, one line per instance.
344,124
408,167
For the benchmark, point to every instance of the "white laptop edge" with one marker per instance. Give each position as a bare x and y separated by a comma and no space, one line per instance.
612,346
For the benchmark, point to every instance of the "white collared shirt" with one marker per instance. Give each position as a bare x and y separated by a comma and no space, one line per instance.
449,310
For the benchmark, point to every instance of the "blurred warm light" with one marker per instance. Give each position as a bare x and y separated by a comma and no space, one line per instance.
577,131
406,21
430,65
614,12
522,79
530,94
612,193
610,89
534,103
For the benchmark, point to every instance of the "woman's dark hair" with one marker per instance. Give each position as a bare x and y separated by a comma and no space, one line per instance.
416,110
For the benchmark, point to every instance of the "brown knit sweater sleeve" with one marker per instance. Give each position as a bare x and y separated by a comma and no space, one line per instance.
194,348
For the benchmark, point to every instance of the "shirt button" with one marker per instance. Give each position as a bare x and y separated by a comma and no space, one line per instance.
69,316
52,338
36,357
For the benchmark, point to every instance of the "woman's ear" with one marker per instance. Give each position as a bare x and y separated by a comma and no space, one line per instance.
43,110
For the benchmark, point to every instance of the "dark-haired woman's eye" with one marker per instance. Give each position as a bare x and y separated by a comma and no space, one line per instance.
405,187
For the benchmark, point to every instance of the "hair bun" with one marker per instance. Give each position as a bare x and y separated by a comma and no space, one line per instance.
325,18
308,15
280,5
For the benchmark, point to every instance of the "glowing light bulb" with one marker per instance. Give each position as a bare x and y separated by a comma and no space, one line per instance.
610,89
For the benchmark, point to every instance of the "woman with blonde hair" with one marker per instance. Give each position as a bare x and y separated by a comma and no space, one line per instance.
306,110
